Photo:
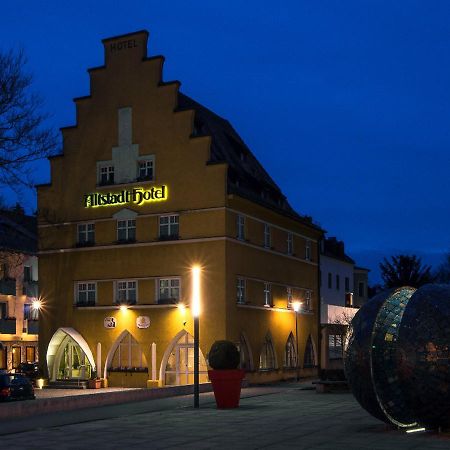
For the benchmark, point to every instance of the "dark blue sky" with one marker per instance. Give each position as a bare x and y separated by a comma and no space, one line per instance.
346,104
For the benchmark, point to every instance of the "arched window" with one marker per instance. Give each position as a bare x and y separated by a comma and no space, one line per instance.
128,355
244,351
290,353
310,356
267,357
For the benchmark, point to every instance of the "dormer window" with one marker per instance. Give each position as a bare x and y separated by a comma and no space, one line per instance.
106,175
145,170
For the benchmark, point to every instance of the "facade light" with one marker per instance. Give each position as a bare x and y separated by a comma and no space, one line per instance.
296,306
123,308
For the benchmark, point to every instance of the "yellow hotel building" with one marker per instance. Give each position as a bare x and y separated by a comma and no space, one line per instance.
149,184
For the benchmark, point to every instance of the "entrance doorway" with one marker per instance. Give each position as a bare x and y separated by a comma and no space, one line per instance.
16,357
3,357
72,362
180,364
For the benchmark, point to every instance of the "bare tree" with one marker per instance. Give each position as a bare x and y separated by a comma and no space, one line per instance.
24,138
443,271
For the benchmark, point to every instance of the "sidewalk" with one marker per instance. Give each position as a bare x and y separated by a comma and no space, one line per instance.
279,416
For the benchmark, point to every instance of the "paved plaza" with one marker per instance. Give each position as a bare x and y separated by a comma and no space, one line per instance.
280,416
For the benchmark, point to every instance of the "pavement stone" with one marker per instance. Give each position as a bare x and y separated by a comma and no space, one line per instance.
281,416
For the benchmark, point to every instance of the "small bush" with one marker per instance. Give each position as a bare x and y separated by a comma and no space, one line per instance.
224,355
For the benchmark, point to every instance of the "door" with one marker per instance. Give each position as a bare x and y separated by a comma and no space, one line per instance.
16,357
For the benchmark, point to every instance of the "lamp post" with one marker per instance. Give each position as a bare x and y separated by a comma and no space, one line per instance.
196,313
296,306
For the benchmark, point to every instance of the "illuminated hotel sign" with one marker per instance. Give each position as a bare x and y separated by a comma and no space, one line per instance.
137,196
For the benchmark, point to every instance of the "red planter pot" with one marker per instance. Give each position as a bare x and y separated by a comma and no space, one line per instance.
227,387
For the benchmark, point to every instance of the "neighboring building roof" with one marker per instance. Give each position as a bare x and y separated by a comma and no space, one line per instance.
246,176
335,249
363,269
18,231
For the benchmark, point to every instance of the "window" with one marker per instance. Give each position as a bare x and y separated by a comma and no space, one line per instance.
3,310
126,230
361,289
240,222
308,300
289,297
290,244
290,354
347,284
86,294
266,235
126,292
106,175
27,274
86,233
30,353
267,356
308,251
335,346
16,357
169,290
330,281
337,282
309,359
168,227
145,170
30,313
240,294
128,355
267,295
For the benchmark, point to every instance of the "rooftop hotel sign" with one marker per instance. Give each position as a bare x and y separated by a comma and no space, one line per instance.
136,196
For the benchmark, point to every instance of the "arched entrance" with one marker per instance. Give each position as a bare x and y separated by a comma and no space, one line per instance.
69,356
177,366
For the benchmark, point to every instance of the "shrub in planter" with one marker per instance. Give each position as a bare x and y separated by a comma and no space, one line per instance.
94,382
225,377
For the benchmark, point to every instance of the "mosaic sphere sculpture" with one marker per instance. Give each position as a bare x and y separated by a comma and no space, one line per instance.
397,356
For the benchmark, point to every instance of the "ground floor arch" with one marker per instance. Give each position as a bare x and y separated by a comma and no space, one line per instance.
69,356
177,366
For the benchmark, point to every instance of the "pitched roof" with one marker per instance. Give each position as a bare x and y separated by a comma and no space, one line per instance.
246,176
18,232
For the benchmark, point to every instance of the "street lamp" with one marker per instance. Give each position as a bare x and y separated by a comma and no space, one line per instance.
296,306
196,313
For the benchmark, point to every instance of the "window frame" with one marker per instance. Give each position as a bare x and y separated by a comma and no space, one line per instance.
267,236
127,300
106,169
176,224
241,289
170,299
308,250
290,243
240,227
87,301
267,294
145,176
127,229
86,232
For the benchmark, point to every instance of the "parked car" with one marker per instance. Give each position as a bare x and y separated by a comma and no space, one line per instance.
15,386
30,370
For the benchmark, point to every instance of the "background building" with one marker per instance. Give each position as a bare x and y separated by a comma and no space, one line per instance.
151,183
341,284
18,288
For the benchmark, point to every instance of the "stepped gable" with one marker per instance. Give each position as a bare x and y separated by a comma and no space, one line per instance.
246,176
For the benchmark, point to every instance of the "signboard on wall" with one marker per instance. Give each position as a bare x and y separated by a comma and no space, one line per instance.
136,196
143,322
109,322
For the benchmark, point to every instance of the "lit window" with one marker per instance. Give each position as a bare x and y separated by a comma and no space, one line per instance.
240,222
106,175
145,170
267,295
240,293
126,230
168,227
126,292
86,233
308,251
86,294
169,290
290,243
290,353
266,235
